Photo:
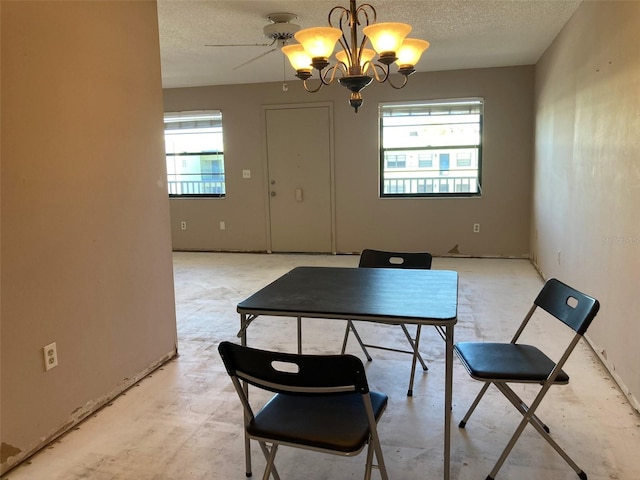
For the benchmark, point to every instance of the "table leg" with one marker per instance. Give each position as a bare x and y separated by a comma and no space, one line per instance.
247,443
448,399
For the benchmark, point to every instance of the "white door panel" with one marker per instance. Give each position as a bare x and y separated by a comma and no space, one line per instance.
299,168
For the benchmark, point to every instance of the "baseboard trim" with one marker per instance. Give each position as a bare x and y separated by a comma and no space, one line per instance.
608,366
84,412
633,401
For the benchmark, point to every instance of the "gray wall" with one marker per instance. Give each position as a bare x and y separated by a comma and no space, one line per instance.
362,219
85,243
586,223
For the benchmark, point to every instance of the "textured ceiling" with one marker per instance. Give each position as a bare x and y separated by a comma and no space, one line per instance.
463,34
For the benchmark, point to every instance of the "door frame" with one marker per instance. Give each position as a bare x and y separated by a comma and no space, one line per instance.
265,166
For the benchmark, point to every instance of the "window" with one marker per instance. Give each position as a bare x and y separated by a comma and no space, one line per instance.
425,160
430,149
463,159
395,161
195,154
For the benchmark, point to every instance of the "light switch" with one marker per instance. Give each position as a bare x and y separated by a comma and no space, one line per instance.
298,194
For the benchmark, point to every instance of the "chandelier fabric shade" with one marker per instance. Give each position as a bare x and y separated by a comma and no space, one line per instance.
354,63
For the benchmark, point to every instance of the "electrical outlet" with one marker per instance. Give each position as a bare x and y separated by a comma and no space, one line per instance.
476,228
183,225
50,353
246,173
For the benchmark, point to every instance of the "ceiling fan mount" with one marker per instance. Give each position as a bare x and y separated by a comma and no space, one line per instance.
279,31
281,27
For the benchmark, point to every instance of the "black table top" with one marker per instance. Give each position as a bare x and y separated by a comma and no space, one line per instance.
376,294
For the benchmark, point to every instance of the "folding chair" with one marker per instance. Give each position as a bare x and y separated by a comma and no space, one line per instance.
382,259
503,363
321,403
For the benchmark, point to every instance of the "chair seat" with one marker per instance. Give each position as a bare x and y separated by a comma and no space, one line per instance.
339,424
507,362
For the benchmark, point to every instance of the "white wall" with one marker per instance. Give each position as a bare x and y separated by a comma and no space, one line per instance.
586,208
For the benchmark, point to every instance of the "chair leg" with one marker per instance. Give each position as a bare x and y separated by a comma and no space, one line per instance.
351,328
247,455
412,342
473,406
416,354
511,396
369,466
374,446
270,456
522,407
530,417
347,330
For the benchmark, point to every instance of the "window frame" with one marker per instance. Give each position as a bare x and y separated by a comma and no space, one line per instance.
424,185
192,121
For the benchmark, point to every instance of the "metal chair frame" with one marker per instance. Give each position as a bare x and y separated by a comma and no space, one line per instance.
500,364
320,403
370,258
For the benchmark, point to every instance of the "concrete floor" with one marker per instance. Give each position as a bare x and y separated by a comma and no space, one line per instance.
184,421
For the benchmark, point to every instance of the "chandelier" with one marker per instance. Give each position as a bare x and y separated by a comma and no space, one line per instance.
354,61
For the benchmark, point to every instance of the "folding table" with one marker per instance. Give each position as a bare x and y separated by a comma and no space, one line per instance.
381,295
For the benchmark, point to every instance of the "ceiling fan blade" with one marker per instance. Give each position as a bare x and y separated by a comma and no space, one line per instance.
255,58
243,44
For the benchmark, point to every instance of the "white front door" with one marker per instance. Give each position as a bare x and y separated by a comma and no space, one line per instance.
299,146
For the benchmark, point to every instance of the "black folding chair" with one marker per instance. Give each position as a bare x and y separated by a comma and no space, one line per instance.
503,363
321,403
382,259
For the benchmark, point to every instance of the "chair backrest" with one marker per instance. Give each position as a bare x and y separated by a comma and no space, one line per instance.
381,259
568,305
294,373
